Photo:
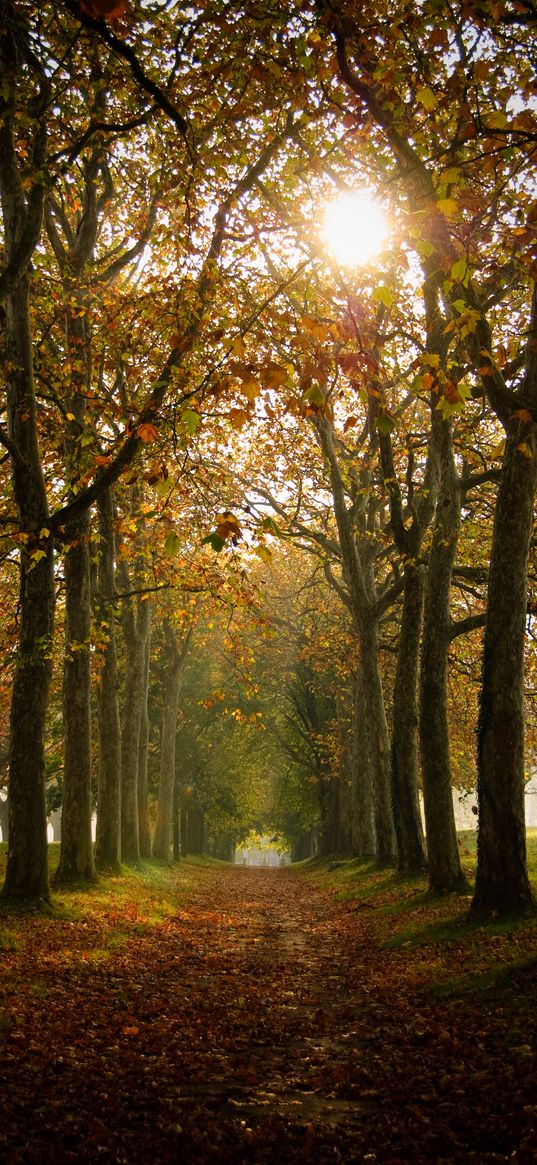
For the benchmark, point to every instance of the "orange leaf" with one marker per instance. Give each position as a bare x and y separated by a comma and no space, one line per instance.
104,9
147,432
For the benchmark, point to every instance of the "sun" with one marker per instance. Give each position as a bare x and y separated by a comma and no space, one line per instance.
355,227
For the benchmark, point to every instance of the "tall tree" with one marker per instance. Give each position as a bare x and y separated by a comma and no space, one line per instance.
108,838
491,149
174,652
22,193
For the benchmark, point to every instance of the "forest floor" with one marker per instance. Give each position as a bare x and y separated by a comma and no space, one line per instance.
206,1013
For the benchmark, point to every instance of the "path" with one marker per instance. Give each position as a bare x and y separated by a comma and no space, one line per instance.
258,1024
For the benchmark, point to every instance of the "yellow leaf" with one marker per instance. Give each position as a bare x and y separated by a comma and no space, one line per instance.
251,389
447,206
427,98
497,121
263,553
525,450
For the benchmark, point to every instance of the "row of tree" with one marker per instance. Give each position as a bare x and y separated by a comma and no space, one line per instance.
188,376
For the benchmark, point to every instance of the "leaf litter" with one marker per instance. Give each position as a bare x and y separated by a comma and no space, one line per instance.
263,1019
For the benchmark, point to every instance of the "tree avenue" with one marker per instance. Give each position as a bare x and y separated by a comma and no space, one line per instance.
270,512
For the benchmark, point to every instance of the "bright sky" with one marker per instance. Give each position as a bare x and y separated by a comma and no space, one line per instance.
355,227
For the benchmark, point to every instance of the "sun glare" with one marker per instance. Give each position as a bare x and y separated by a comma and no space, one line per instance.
355,227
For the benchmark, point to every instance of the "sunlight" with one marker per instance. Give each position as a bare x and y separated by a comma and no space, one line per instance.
355,227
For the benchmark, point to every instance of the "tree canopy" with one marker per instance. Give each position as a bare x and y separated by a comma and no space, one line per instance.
281,502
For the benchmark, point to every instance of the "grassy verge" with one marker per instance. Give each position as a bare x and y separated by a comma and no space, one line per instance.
450,956
110,911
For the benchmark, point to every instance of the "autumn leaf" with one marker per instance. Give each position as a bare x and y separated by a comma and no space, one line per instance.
147,432
172,544
427,98
191,420
385,423
448,207
105,9
382,294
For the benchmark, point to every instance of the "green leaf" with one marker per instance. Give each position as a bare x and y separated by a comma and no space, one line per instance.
215,541
315,395
172,544
271,527
191,420
382,294
385,423
460,271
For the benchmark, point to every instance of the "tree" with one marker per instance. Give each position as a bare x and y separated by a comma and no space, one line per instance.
174,651
479,141
22,196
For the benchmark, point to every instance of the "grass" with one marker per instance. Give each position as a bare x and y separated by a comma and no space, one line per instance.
97,920
450,955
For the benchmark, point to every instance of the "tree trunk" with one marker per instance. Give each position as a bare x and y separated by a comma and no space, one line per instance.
358,553
328,784
184,830
22,211
107,845
27,869
502,884
134,642
175,655
176,821
196,829
445,871
144,620
27,866
4,819
377,737
76,854
363,813
411,855
344,711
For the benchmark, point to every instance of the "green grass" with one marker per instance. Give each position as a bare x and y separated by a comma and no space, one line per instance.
106,914
448,953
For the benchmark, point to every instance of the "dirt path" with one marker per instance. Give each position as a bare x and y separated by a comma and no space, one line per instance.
258,1024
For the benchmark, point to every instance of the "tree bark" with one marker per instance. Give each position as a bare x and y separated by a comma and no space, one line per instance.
107,844
175,655
502,884
76,853
376,728
363,816
445,871
357,557
27,871
411,855
344,710
134,642
144,621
